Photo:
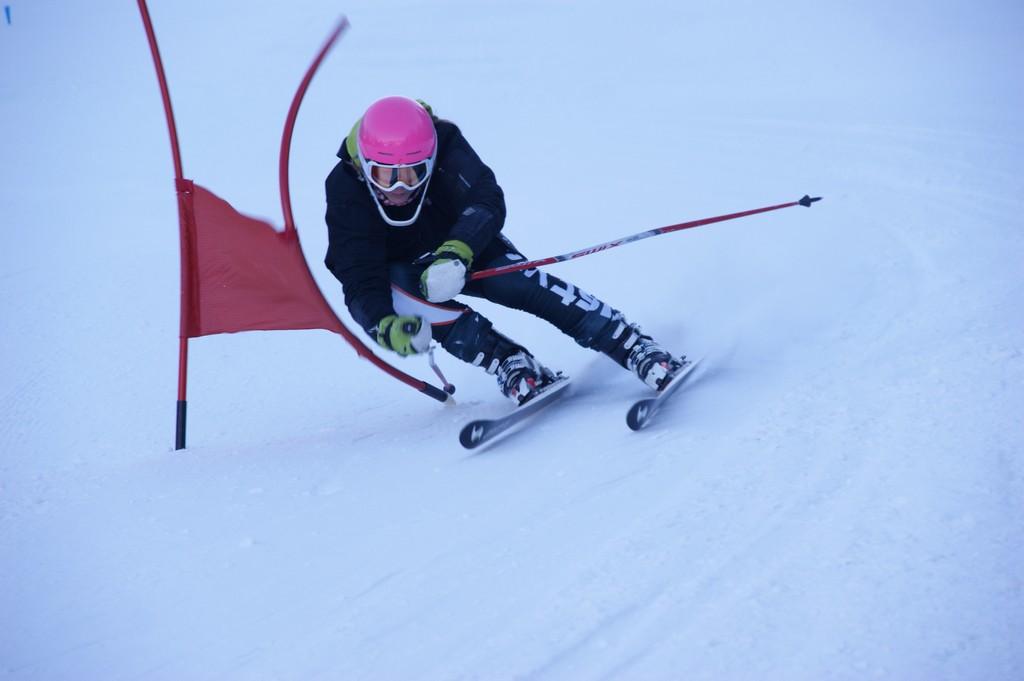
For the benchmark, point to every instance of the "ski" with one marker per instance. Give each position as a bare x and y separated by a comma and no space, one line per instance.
482,431
642,411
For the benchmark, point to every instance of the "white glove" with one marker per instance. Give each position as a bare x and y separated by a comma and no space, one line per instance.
443,280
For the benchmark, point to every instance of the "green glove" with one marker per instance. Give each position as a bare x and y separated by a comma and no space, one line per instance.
406,335
447,273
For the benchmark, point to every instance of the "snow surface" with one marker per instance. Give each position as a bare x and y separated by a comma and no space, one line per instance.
839,496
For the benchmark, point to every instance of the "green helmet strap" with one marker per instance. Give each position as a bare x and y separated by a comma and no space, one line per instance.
352,144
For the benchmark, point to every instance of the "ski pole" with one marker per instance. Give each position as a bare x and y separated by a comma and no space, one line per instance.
516,267
448,387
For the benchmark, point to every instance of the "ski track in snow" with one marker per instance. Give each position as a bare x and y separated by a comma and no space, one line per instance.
837,495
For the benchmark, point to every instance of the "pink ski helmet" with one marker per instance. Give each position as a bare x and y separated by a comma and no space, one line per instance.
397,145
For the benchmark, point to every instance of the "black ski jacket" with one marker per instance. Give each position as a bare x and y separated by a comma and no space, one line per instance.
361,244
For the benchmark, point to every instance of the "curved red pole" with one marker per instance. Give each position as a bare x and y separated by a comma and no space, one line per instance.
164,92
182,187
289,124
289,222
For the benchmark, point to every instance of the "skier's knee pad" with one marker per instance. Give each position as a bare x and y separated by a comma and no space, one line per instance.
472,339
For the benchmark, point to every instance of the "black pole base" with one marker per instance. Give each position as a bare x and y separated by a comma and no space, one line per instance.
179,435
436,393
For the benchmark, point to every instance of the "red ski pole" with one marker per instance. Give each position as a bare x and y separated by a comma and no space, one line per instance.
516,267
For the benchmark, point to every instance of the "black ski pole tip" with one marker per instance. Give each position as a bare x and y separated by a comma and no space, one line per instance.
807,200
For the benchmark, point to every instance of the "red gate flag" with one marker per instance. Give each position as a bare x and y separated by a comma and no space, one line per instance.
242,274
239,273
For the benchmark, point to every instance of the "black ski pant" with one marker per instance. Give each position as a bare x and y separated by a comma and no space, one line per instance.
468,335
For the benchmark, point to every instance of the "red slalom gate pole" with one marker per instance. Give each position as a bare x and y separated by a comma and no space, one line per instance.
289,124
181,186
516,267
289,225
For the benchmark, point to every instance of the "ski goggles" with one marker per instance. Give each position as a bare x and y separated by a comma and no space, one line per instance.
388,177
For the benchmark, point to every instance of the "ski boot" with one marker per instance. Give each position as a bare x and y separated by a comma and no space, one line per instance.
652,363
521,377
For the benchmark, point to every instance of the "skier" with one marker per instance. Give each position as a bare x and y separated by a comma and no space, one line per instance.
411,212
